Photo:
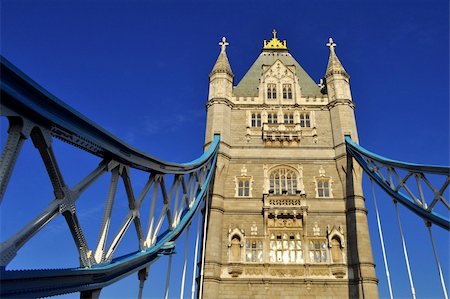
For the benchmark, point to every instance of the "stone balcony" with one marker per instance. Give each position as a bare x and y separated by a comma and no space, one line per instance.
281,132
285,210
285,200
285,134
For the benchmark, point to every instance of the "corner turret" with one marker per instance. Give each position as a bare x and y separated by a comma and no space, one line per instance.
341,105
219,98
221,76
336,78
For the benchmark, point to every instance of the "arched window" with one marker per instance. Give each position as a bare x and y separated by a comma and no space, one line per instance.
305,121
318,252
323,187
283,181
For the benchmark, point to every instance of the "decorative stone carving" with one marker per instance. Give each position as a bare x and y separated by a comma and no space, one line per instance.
243,171
284,221
316,229
321,171
235,269
319,271
254,271
254,229
287,272
338,271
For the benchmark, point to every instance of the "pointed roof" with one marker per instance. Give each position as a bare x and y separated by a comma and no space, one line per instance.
334,64
222,64
248,86
272,51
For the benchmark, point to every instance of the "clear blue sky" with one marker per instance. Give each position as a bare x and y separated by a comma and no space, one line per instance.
140,69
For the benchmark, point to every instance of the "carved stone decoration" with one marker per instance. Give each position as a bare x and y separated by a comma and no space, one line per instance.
254,229
338,271
235,269
284,221
316,229
287,272
254,271
336,243
243,171
321,171
235,245
319,271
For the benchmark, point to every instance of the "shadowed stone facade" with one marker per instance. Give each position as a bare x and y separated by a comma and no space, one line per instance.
287,219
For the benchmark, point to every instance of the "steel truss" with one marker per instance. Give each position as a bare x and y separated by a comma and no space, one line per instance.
407,183
175,191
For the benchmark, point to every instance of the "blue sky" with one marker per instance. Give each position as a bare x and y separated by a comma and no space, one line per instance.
140,69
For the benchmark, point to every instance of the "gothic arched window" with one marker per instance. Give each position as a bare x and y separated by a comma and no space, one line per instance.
282,181
305,121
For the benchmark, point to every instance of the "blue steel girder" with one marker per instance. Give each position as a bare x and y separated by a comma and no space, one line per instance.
396,181
34,112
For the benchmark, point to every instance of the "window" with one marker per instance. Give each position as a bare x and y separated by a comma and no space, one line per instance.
287,91
254,251
272,118
323,188
285,248
271,91
304,120
283,181
244,187
318,252
288,118
256,120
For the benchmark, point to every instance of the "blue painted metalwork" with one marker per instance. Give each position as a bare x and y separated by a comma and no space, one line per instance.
372,163
24,97
34,112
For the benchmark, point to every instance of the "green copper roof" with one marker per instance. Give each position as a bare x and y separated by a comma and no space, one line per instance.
248,86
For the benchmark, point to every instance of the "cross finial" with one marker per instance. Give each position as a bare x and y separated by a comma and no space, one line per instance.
331,44
223,44
274,32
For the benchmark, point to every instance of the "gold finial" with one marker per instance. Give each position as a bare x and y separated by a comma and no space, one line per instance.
274,43
331,44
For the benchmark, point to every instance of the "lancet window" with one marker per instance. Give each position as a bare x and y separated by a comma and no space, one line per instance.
243,187
323,187
253,251
287,91
272,118
256,120
318,251
282,181
288,118
305,121
271,91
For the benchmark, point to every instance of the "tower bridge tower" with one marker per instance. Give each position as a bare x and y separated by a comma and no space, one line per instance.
287,219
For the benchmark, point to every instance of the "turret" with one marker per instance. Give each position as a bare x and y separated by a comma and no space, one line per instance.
341,104
360,259
336,78
219,98
221,76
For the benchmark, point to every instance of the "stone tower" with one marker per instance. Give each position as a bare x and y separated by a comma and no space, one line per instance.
287,219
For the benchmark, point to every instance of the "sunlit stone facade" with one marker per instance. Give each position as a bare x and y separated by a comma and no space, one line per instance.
285,221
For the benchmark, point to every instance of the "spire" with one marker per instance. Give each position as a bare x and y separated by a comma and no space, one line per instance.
334,65
222,64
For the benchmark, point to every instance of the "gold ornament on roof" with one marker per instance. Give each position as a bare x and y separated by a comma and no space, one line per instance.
274,43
